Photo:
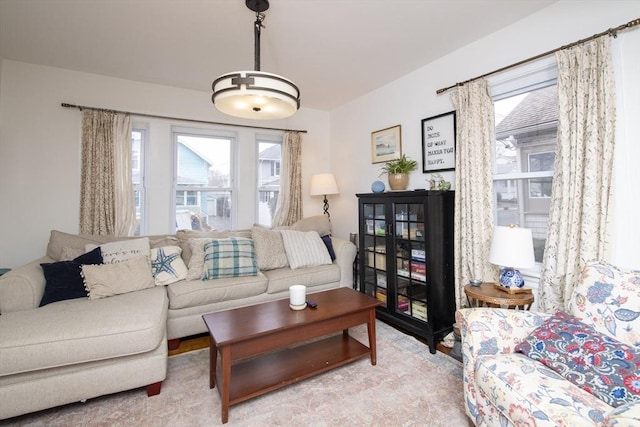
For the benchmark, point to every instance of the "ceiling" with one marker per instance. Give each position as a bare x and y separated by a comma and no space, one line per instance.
334,50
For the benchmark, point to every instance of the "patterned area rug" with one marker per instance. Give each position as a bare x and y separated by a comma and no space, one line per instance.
408,387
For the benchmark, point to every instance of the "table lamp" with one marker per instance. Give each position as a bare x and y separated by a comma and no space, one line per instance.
323,184
512,248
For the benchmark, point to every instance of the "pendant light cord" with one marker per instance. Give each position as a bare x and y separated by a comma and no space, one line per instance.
257,27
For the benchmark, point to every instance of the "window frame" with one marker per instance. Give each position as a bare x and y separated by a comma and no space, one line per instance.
532,76
176,132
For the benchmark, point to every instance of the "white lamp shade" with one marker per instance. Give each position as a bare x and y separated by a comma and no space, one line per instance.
255,95
512,247
323,184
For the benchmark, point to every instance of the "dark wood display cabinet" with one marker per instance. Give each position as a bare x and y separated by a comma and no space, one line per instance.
406,259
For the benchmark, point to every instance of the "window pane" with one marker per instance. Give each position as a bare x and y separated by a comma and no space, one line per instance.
204,161
203,210
203,182
526,127
137,137
269,158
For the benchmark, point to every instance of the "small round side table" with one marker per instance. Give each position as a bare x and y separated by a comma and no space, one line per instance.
486,295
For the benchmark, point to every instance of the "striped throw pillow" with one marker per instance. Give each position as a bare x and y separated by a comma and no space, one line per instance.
304,248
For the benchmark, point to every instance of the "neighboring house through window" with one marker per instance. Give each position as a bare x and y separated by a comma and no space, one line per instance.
203,180
269,159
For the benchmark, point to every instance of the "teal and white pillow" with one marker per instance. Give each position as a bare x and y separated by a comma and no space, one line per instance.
230,257
167,265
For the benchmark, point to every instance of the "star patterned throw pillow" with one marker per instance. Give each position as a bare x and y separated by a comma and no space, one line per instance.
167,265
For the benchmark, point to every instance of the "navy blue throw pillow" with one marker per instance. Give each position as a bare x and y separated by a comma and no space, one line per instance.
64,280
327,242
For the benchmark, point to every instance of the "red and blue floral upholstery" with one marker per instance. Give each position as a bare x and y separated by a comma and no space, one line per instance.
506,388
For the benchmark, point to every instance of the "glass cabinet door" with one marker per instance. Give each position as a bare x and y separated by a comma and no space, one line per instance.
410,263
375,257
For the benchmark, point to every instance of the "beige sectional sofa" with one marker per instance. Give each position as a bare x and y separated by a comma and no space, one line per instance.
81,348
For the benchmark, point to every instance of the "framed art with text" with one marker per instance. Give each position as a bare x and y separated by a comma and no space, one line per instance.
386,144
439,142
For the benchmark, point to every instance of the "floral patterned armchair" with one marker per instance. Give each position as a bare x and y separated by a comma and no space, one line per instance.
504,387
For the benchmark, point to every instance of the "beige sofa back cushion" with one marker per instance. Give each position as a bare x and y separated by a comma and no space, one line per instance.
59,240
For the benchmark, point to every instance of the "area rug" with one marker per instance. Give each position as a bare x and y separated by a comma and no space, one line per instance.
409,386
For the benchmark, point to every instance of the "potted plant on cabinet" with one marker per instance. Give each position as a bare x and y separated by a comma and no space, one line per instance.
398,170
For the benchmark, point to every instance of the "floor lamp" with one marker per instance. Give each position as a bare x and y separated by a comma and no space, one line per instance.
323,184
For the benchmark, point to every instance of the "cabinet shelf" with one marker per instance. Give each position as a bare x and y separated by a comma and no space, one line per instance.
406,259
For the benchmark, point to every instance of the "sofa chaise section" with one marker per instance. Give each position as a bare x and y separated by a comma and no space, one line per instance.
79,349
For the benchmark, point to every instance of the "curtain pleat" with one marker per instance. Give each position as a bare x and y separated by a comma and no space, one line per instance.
579,210
289,207
473,218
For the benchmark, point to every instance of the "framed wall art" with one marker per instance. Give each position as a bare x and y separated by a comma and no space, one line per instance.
439,142
386,144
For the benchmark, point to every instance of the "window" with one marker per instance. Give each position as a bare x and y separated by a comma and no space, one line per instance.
138,136
269,158
203,180
526,128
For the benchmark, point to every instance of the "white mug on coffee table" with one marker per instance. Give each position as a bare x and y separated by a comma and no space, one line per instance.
297,297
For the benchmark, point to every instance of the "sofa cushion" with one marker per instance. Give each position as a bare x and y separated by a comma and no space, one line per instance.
74,242
114,279
304,249
282,278
184,237
231,257
80,330
269,248
317,223
64,279
608,298
194,293
528,393
167,265
122,250
593,361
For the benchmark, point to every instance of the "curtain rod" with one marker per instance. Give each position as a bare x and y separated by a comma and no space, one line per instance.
155,116
611,31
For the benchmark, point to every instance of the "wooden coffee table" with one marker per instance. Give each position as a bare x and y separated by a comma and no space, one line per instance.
240,334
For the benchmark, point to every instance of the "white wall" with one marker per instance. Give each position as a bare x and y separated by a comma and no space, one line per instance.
40,141
40,150
412,98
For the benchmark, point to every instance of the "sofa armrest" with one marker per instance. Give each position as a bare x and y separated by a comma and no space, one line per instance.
22,288
345,255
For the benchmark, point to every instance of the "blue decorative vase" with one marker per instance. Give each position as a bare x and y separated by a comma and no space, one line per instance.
511,278
377,187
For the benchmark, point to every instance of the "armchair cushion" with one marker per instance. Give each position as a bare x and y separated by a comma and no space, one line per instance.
595,362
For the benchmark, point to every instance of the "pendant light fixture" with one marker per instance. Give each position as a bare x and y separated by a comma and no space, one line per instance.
255,94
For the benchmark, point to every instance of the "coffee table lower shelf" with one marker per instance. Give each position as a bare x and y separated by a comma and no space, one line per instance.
262,374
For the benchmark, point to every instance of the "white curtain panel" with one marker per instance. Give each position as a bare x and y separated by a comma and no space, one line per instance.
473,224
289,207
580,200
626,240
125,209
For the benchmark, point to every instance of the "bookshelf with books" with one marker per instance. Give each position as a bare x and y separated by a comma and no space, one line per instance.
406,259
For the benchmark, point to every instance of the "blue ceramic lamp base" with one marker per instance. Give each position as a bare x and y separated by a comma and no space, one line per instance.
511,278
